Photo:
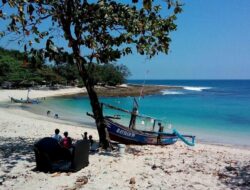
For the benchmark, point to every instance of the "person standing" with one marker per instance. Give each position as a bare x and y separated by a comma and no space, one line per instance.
161,128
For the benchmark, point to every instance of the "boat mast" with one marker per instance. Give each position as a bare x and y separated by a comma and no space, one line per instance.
133,115
28,94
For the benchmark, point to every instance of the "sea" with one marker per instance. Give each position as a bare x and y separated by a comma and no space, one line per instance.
215,111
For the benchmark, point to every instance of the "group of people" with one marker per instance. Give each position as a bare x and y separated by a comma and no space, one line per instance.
65,141
56,116
85,137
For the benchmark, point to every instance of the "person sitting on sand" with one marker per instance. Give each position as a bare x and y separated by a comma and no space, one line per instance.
66,141
85,136
91,141
57,136
93,145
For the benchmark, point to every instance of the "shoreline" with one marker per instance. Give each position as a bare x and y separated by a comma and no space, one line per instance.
152,167
73,92
40,117
134,90
18,94
92,126
108,91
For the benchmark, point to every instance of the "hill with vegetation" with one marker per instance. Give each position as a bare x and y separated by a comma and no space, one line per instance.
17,72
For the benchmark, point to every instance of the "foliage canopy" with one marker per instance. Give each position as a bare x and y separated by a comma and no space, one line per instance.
100,31
13,70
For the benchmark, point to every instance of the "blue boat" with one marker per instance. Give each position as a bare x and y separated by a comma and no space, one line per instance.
126,135
131,135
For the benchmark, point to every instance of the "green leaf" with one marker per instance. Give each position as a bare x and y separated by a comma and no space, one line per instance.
37,40
2,34
147,4
35,30
11,3
177,9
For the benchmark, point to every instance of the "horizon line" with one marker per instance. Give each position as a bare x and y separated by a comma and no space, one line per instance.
188,79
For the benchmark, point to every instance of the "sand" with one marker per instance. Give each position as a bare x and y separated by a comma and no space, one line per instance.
140,167
18,94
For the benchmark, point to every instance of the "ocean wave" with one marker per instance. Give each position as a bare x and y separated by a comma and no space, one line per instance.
169,92
195,88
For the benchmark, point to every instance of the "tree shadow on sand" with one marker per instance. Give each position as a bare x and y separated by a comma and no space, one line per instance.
12,150
236,177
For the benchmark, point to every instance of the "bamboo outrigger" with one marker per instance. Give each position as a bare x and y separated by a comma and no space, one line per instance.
132,135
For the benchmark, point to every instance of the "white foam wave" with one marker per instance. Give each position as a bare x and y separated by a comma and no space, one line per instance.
196,88
168,92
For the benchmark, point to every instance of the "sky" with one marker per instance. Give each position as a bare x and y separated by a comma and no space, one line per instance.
212,41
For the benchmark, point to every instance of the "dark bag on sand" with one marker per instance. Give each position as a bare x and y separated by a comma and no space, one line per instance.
50,156
49,153
80,155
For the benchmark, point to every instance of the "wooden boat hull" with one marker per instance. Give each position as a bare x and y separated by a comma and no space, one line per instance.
17,101
126,135
29,101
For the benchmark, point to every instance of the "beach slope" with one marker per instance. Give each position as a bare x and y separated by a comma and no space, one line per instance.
141,167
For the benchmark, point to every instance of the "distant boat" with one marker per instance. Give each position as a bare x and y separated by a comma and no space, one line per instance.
27,101
131,135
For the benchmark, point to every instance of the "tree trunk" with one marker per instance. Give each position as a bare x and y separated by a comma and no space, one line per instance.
97,111
66,21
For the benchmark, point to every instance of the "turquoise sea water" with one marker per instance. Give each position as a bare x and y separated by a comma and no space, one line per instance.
216,111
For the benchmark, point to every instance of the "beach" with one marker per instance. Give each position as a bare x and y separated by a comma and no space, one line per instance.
18,94
204,166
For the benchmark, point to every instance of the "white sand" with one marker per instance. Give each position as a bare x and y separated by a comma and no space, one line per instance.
152,167
18,94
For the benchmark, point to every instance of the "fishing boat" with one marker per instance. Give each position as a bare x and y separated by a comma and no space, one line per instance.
132,135
25,101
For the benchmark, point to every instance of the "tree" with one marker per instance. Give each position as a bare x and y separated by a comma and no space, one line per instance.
110,74
37,71
4,69
101,31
